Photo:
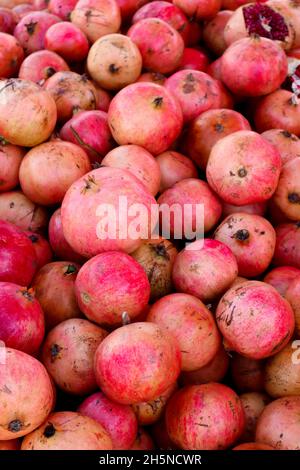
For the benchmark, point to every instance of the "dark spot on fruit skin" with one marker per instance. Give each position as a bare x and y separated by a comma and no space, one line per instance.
30,27
28,294
71,269
54,351
158,101
34,238
161,250
286,134
113,69
189,84
15,426
219,127
294,198
242,172
241,235
49,72
49,430
11,205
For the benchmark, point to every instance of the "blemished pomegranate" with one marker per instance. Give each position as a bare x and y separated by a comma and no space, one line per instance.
205,269
118,420
41,247
67,40
41,65
282,278
49,282
150,412
62,8
124,288
287,249
213,371
286,143
66,430
253,404
11,55
31,29
255,320
10,161
21,410
218,410
293,297
192,325
247,374
152,77
287,194
282,373
174,167
125,354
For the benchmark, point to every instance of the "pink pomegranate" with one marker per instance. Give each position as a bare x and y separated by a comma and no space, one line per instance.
205,269
152,77
143,441
199,9
287,194
31,30
62,8
287,250
65,163
21,318
214,69
282,278
72,92
150,412
139,162
119,421
258,208
253,404
194,59
54,288
252,240
23,9
123,357
210,127
90,131
41,65
17,209
174,167
97,17
17,256
213,32
18,124
155,105
67,40
59,244
247,374
8,20
191,324
87,200
21,410
114,61
287,144
218,410
41,247
129,7
160,45
103,99
282,373
238,162
213,371
11,55
255,320
179,208
196,92
66,430
293,297
10,161
124,288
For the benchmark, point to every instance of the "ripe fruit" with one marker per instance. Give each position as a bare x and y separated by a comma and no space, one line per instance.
68,41
247,374
199,9
213,32
16,208
282,278
194,59
151,411
174,167
213,371
10,161
31,30
287,144
11,55
59,244
293,297
287,194
62,8
253,404
282,373
41,65
41,247
287,250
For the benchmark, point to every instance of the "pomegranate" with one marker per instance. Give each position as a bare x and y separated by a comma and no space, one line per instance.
247,374
282,373
66,430
234,4
191,324
157,257
213,371
123,356
96,18
21,410
174,167
143,441
194,59
251,173
41,65
89,130
65,163
19,125
114,61
152,77
253,445
139,162
67,40
41,247
287,195
124,288
8,20
287,144
282,278
258,208
103,99
255,320
210,127
287,250
11,55
290,12
23,9
150,412
293,297
218,410
214,69
199,9
278,425
17,209
213,32
160,45
62,8
50,282
13,444
31,30
10,161
72,92
119,421
253,404
194,33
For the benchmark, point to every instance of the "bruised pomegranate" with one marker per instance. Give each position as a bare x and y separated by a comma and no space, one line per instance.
124,288
118,420
16,208
174,167
287,194
123,357
247,374
68,355
41,65
191,324
218,410
213,371
10,161
62,8
50,282
41,247
21,410
199,9
68,41
66,430
31,30
213,32
253,404
255,320
150,412
11,55
287,144
287,250
282,278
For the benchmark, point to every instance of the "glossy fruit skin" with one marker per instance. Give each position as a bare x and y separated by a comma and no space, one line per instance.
261,305
124,288
21,410
66,430
215,405
68,41
213,371
282,278
21,318
68,355
10,161
174,167
293,297
123,356
192,325
118,420
236,180
205,269
54,286
17,256
11,55
31,30
287,250
162,117
41,65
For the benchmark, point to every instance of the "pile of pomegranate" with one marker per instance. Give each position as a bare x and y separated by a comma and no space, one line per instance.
151,341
